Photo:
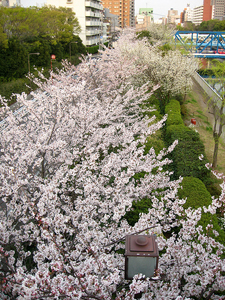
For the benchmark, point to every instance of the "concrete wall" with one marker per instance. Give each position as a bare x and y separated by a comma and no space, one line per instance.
211,93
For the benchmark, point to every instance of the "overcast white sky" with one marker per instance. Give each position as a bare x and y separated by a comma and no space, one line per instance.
160,7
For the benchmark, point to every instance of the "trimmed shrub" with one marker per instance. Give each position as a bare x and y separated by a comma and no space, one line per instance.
92,50
172,109
196,193
197,196
185,156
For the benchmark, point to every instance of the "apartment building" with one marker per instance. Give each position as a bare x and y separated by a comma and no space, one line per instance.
186,15
207,10
122,8
173,17
218,9
89,14
144,18
198,15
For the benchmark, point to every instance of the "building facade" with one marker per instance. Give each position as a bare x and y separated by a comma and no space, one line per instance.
10,3
110,26
218,7
144,18
186,15
124,9
198,15
207,10
173,17
89,14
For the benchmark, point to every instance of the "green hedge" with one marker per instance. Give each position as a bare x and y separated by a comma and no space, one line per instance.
197,196
196,193
92,50
186,154
172,109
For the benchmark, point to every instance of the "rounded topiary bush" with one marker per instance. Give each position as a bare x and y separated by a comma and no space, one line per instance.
196,194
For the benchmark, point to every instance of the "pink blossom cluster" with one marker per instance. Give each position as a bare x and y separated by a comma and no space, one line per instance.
67,170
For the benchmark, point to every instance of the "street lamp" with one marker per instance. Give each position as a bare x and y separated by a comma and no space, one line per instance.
141,256
29,59
70,48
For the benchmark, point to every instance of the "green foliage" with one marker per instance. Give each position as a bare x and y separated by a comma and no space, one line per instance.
174,115
137,208
196,193
46,30
206,72
194,190
188,26
183,110
185,156
8,88
144,34
165,48
92,50
212,25
13,61
56,24
154,141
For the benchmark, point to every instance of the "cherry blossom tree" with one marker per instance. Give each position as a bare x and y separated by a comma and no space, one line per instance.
67,165
171,70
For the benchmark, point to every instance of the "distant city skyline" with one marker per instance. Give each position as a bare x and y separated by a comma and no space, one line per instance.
160,7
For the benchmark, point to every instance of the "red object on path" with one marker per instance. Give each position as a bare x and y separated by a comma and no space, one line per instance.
193,121
52,57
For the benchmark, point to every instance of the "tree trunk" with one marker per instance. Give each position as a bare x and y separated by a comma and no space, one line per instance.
215,154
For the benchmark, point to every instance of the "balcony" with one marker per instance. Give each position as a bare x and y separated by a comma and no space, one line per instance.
93,32
93,23
90,13
93,5
93,41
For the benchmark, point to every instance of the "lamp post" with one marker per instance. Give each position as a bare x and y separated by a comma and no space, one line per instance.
70,48
29,60
141,256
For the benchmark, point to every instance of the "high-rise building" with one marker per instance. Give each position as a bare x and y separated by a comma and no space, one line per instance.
124,9
207,10
198,15
218,7
186,15
89,14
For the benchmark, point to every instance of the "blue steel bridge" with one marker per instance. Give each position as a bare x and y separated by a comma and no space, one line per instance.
209,44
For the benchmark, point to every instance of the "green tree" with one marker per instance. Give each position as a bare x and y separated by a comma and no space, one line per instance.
212,25
56,24
13,61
